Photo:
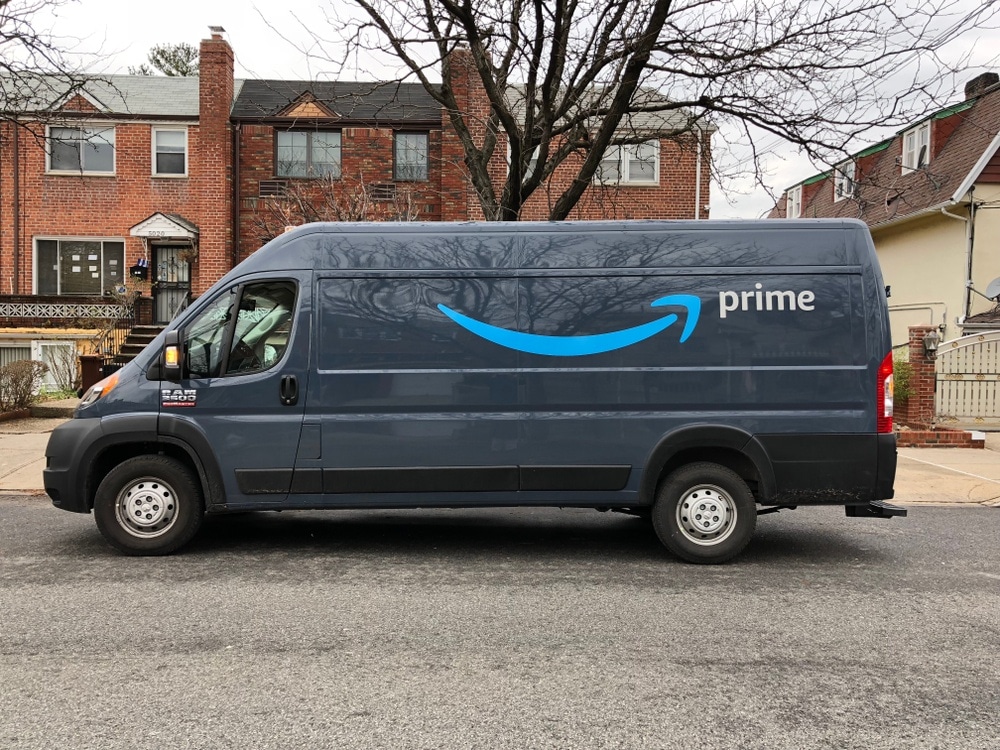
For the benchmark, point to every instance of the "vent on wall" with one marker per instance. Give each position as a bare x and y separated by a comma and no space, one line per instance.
383,192
272,188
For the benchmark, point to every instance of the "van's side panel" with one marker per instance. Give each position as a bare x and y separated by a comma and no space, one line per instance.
401,401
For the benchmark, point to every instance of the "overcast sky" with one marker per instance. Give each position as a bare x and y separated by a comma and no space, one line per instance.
121,33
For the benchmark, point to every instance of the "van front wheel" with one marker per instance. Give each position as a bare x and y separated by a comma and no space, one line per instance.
149,505
704,513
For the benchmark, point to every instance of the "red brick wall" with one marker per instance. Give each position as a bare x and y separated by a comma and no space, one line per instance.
108,206
366,160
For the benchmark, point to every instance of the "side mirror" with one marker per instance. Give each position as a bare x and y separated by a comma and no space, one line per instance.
173,357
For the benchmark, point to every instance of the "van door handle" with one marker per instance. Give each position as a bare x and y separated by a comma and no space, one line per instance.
289,390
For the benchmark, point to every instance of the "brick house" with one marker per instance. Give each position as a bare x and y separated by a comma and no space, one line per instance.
929,195
184,177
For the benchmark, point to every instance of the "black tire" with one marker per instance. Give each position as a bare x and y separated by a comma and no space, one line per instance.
163,501
704,513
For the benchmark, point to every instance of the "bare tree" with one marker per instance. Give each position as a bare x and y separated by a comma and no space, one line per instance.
180,59
36,71
329,198
575,77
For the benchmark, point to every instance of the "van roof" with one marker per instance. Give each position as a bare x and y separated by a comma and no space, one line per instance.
542,245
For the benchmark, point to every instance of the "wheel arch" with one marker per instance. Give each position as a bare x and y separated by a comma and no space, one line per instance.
188,446
728,446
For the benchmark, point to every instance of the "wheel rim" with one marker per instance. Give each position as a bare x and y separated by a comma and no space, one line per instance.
706,515
146,508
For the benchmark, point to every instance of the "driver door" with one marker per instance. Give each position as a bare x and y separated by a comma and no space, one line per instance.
246,354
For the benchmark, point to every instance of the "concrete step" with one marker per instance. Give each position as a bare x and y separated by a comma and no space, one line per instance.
55,409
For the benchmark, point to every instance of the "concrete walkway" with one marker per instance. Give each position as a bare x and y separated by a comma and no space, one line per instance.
924,476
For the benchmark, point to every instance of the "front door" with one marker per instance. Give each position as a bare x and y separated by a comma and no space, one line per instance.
171,280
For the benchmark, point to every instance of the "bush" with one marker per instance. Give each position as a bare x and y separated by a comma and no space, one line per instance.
902,376
19,384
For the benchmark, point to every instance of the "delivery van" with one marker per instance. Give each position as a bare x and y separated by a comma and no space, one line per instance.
695,373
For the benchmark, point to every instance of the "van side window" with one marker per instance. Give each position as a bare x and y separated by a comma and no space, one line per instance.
263,326
242,331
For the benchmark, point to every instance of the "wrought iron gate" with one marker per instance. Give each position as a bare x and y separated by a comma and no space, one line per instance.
967,371
172,280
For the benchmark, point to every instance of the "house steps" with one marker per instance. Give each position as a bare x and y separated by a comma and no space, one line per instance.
135,342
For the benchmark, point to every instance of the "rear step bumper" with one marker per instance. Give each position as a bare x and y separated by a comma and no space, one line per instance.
875,509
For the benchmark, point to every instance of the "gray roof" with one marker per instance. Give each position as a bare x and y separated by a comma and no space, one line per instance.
149,96
670,118
367,102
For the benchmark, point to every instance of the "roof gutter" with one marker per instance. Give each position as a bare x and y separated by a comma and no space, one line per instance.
970,237
929,211
970,179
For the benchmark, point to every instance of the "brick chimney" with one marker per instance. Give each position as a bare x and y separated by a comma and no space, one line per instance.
459,202
212,157
980,84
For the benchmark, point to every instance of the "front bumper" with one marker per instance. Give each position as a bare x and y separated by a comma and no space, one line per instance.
64,477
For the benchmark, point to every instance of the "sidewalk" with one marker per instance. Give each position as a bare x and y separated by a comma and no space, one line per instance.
924,476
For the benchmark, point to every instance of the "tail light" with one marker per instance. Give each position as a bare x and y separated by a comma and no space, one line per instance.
883,391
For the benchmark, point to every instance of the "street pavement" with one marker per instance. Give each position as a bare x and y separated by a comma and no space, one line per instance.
924,476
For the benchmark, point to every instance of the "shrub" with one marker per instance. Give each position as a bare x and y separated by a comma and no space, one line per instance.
902,376
19,383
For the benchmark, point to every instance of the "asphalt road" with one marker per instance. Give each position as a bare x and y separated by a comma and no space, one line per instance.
501,629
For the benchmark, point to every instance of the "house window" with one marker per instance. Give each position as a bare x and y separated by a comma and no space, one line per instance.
632,164
410,152
793,203
302,153
169,151
84,149
917,148
844,185
83,267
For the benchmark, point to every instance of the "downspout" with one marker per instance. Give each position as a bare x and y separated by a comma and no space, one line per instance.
16,275
697,178
234,253
970,235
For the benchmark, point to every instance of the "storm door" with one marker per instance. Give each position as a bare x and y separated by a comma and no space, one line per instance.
171,280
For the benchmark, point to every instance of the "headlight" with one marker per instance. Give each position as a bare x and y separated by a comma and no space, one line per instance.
99,390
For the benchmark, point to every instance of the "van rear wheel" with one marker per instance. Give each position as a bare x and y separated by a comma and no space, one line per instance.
704,513
149,505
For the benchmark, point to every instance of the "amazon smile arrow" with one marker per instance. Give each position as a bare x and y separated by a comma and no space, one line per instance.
577,346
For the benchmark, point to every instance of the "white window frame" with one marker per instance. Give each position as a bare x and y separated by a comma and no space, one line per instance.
173,129
844,185
914,140
83,262
626,154
793,203
47,351
532,163
102,128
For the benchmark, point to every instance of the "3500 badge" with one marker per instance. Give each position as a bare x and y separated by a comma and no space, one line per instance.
179,397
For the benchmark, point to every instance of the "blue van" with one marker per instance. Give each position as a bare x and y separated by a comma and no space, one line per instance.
697,373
